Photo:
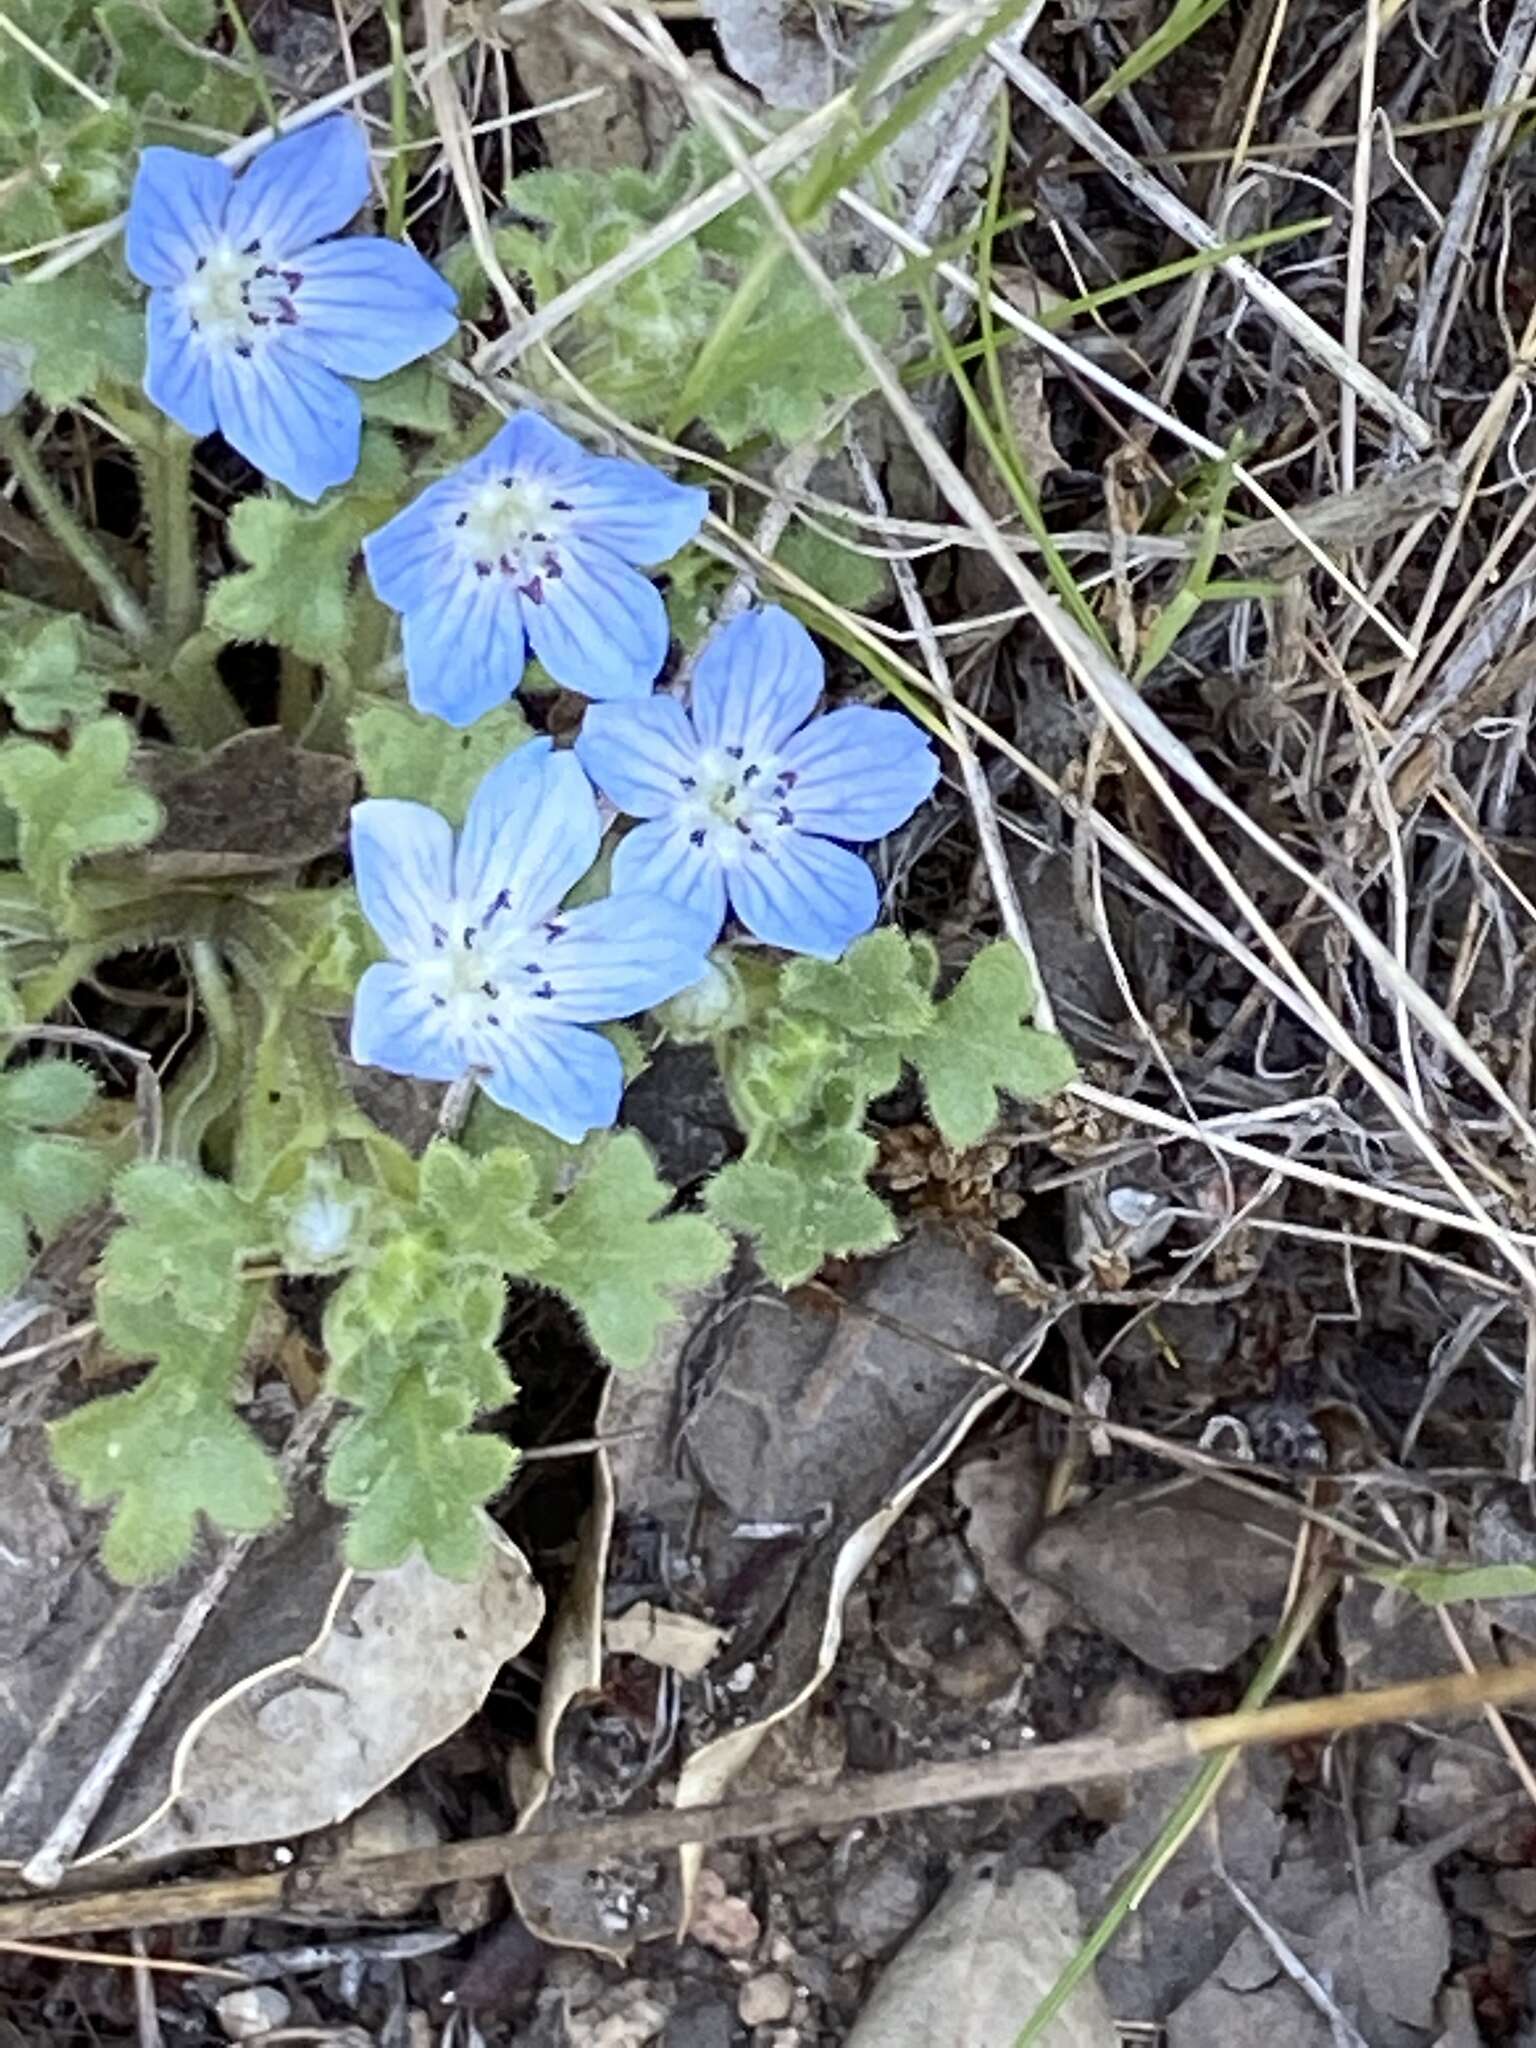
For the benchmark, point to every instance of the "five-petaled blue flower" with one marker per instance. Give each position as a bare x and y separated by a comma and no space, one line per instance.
488,974
531,541
254,319
744,799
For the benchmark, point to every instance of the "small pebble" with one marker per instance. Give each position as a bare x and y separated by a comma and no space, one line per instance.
765,1999
256,2010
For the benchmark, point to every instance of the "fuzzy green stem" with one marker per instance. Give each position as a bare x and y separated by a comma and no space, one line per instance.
166,467
190,695
118,601
399,121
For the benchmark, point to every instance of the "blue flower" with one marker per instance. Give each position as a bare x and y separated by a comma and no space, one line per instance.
744,799
530,541
487,973
254,320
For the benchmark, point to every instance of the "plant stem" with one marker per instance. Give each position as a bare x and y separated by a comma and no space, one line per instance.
190,695
118,601
165,463
399,122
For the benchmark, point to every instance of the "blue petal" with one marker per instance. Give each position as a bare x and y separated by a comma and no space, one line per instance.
660,859
639,755
622,955
176,370
531,833
560,1077
528,446
367,306
309,184
175,213
859,772
756,682
296,421
600,628
412,556
402,862
629,508
805,895
396,1026
464,647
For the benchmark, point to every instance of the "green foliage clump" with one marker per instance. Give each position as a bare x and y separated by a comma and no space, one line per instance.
829,1039
47,1176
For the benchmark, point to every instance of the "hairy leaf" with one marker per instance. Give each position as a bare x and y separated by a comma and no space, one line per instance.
44,678
413,1475
74,804
295,592
167,1452
45,1177
403,752
87,333
980,1046
618,1260
183,1241
804,1202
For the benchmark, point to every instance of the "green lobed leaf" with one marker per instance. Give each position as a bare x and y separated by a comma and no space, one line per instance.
179,1252
980,1046
804,1202
44,678
167,1452
619,1261
403,752
87,333
70,805
416,398
45,1179
482,1207
413,1475
296,591
855,581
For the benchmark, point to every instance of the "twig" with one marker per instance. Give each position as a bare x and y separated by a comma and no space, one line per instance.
965,1781
118,601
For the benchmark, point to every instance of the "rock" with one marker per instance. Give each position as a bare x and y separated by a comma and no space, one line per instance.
1185,1583
1217,2017
1404,1946
979,1965
875,1907
703,2023
253,2011
720,1921
1002,1491
1501,1534
765,1999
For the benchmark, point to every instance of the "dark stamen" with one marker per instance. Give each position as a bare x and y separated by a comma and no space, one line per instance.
552,929
293,279
552,569
201,263
786,815
742,825
735,752
482,568
258,319
533,967
287,313
696,837
439,1002
507,482
492,1018
469,936
243,350
490,989
560,505
788,777
750,773
756,846
196,326
462,520
546,992
501,902
252,248
687,782
533,590
439,936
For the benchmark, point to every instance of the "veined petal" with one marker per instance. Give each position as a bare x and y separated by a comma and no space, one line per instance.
402,862
410,556
621,955
858,772
531,832
560,1077
175,213
601,629
805,895
639,755
294,419
630,509
368,306
660,859
176,374
305,185
757,680
396,1026
530,448
464,651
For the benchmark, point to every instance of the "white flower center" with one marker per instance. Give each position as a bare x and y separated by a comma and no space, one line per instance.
512,527
240,299
481,977
734,806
